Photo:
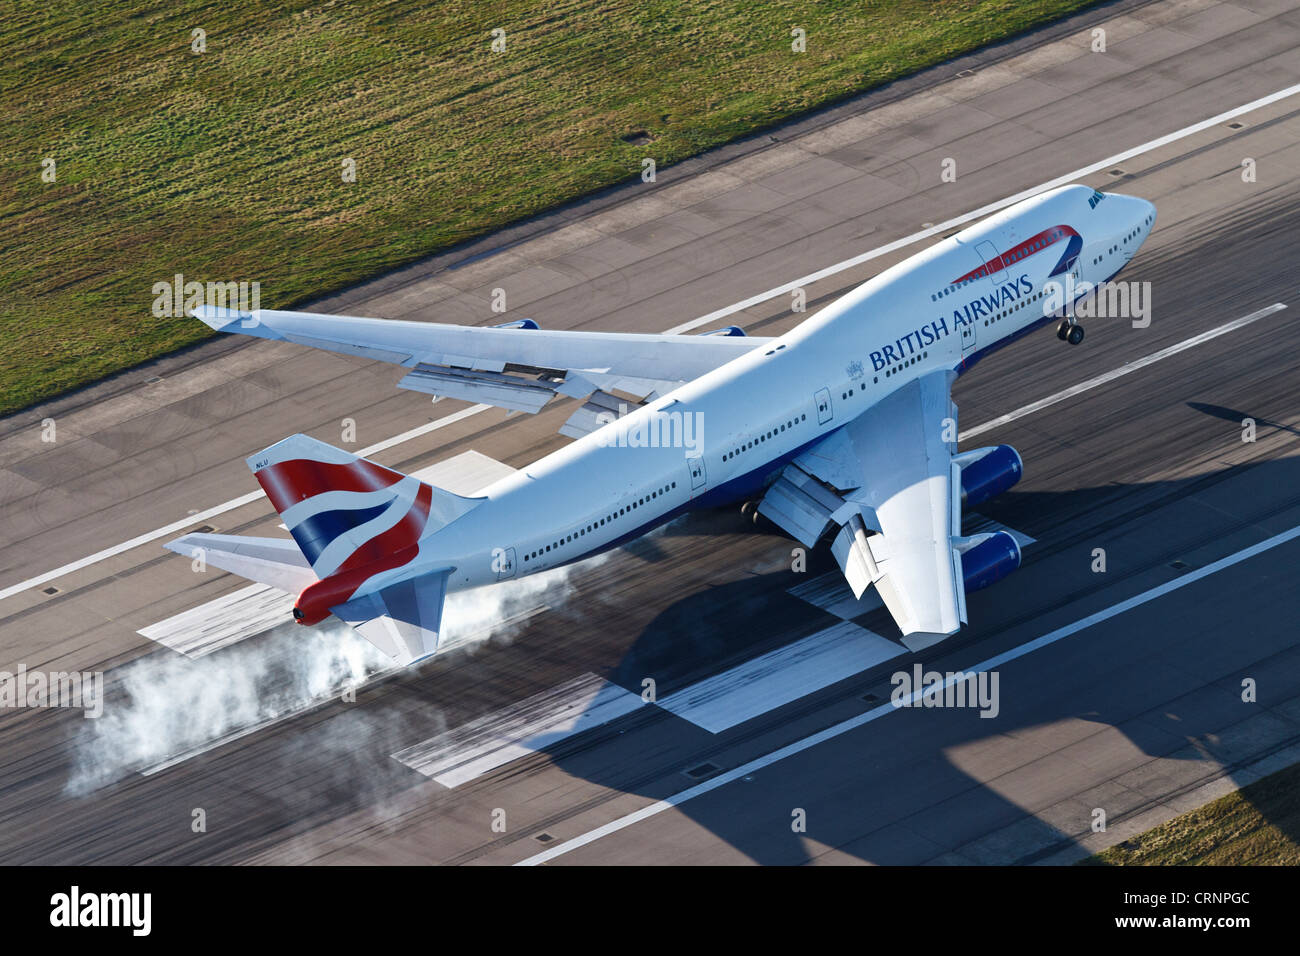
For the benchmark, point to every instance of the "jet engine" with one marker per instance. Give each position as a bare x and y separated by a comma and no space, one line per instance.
987,472
989,559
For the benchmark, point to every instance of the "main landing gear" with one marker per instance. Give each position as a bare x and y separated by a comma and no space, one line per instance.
1070,331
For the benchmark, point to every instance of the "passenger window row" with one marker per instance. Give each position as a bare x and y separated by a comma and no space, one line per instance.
1015,308
601,522
936,296
898,368
772,433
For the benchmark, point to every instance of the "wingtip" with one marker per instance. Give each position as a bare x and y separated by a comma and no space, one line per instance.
223,319
182,545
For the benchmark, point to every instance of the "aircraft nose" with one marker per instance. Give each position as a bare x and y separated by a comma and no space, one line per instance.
1142,212
1147,210
1139,213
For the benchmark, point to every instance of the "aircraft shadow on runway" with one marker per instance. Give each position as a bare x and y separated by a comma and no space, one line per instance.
1240,417
882,812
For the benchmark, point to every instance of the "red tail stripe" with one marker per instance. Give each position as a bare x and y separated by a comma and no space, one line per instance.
290,482
385,551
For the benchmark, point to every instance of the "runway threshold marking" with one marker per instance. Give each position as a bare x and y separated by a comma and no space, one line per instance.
221,622
836,730
543,720
781,676
849,263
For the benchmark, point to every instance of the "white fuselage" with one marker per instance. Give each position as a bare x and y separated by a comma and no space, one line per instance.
728,433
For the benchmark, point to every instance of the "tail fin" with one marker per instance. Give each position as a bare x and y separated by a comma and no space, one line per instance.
346,512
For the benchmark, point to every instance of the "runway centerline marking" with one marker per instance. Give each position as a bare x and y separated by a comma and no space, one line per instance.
849,263
882,710
1123,370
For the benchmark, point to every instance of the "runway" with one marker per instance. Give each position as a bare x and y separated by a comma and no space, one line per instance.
535,743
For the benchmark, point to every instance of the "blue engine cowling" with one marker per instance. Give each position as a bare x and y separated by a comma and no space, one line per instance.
988,472
989,561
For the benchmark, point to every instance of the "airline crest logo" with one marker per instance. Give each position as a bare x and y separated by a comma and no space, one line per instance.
346,515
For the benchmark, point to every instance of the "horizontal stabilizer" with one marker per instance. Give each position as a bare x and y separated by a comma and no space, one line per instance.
277,562
403,620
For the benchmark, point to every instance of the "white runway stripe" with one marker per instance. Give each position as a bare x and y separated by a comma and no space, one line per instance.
481,746
223,621
781,676
465,474
832,594
185,524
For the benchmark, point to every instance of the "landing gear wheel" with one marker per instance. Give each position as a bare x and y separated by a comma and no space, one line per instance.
1075,335
1063,329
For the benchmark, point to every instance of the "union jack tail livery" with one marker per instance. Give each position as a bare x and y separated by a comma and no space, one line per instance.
345,512
358,529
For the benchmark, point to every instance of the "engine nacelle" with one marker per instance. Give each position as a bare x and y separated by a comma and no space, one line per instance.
987,472
989,561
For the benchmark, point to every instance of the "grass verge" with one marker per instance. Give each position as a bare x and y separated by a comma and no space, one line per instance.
1257,825
226,165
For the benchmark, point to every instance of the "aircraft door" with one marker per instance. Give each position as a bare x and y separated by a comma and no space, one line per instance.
823,401
698,477
968,337
994,268
503,563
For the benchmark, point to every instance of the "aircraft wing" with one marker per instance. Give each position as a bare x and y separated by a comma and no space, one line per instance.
518,368
889,471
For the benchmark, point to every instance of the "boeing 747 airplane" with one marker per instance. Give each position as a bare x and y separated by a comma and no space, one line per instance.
843,427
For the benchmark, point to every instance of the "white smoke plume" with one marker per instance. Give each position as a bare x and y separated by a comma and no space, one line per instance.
164,708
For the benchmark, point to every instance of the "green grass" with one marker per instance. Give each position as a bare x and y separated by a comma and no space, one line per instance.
1257,825
226,165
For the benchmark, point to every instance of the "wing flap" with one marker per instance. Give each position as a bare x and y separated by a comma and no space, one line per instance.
890,471
485,387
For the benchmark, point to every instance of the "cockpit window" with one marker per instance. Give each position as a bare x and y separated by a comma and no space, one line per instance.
1095,198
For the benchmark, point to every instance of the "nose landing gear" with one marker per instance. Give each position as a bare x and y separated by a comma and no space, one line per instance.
1070,331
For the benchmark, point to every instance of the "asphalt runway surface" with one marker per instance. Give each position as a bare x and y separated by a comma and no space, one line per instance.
528,740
